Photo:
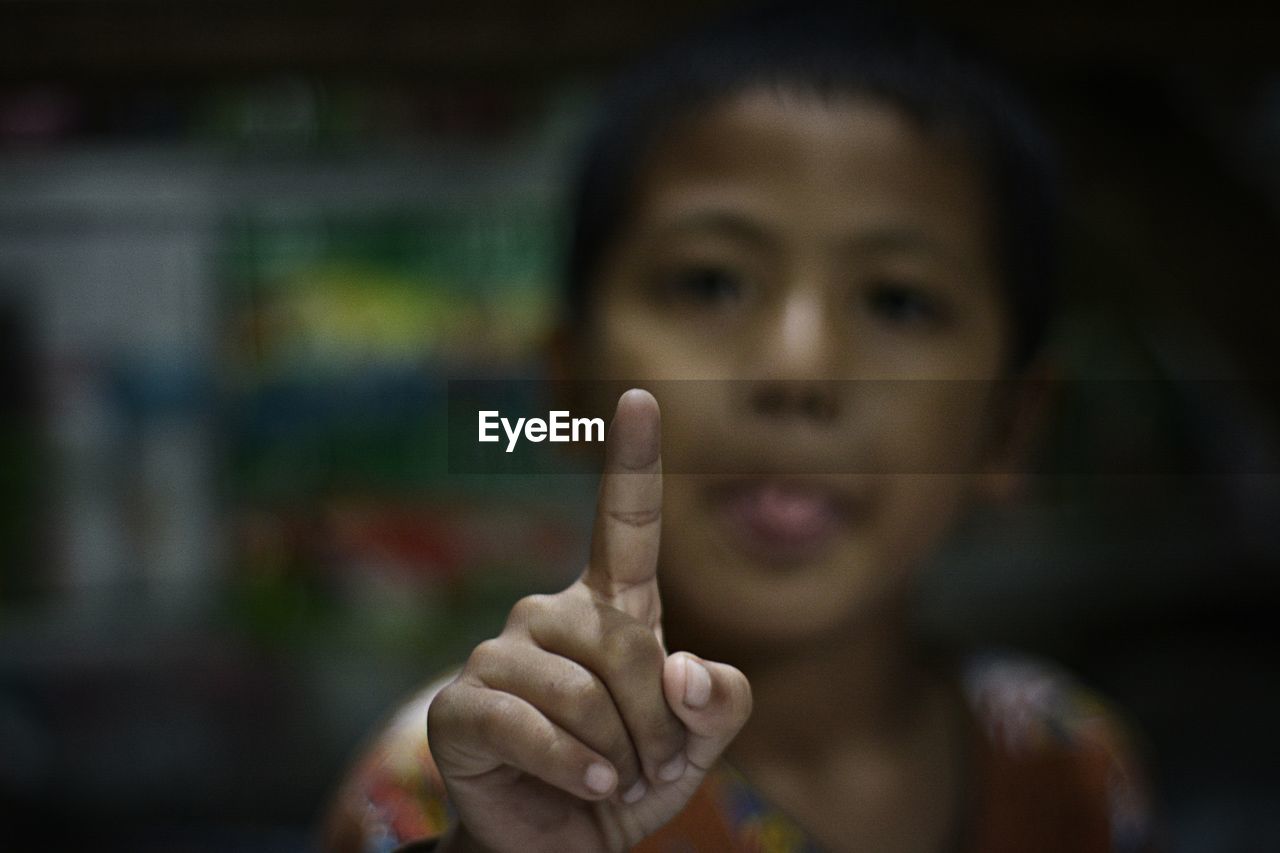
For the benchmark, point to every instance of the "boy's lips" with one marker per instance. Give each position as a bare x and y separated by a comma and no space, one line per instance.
783,520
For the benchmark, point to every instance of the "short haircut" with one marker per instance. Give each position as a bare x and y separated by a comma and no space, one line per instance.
832,52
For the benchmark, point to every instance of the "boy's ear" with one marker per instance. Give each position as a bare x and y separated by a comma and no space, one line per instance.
1020,420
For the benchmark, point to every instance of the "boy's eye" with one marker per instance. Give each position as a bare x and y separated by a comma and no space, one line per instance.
709,285
903,304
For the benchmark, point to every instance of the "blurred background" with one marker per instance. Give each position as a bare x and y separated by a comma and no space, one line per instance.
243,245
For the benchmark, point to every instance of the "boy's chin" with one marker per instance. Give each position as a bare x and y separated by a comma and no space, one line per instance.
749,615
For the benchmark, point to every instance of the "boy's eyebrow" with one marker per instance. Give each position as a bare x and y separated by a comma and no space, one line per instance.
723,222
895,239
891,240
885,239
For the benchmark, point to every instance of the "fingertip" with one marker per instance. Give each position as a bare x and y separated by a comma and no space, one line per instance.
697,684
639,406
636,792
637,397
600,778
687,681
673,769
674,674
713,700
635,436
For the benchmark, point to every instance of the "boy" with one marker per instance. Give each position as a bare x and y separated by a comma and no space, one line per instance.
840,231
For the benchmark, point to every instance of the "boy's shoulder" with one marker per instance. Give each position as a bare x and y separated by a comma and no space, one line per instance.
1024,702
1039,719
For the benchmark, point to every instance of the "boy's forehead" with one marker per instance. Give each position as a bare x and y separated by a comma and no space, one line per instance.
845,158
794,124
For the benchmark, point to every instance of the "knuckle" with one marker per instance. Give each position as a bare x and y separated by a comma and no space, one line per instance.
526,608
631,647
635,517
577,691
446,717
486,657
584,702
439,711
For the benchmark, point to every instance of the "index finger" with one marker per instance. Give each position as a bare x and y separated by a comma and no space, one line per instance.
624,541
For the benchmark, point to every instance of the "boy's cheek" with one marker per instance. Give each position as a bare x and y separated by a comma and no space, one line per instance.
921,509
932,428
631,342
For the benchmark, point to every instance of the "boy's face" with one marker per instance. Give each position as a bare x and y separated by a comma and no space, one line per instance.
826,269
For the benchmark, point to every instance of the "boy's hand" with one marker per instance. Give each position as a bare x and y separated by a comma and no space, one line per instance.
573,729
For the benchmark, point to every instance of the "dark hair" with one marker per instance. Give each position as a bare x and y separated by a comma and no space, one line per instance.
831,52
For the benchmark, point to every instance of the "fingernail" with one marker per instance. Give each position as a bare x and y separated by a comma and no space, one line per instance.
697,684
635,792
673,769
600,778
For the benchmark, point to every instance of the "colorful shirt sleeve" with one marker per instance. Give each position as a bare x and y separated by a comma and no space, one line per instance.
1037,720
395,788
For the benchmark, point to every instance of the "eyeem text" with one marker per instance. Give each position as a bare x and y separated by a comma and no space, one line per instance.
558,427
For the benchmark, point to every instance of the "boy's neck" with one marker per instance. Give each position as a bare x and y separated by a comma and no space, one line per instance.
861,738
861,688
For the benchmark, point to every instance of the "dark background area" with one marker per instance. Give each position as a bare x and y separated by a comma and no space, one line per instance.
242,246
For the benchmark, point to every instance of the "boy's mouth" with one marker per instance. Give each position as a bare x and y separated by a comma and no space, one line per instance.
782,520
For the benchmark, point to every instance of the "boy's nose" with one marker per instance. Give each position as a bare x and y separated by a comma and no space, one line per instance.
794,372
796,342
816,401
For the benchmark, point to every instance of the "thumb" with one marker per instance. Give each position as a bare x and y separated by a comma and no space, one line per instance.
713,700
